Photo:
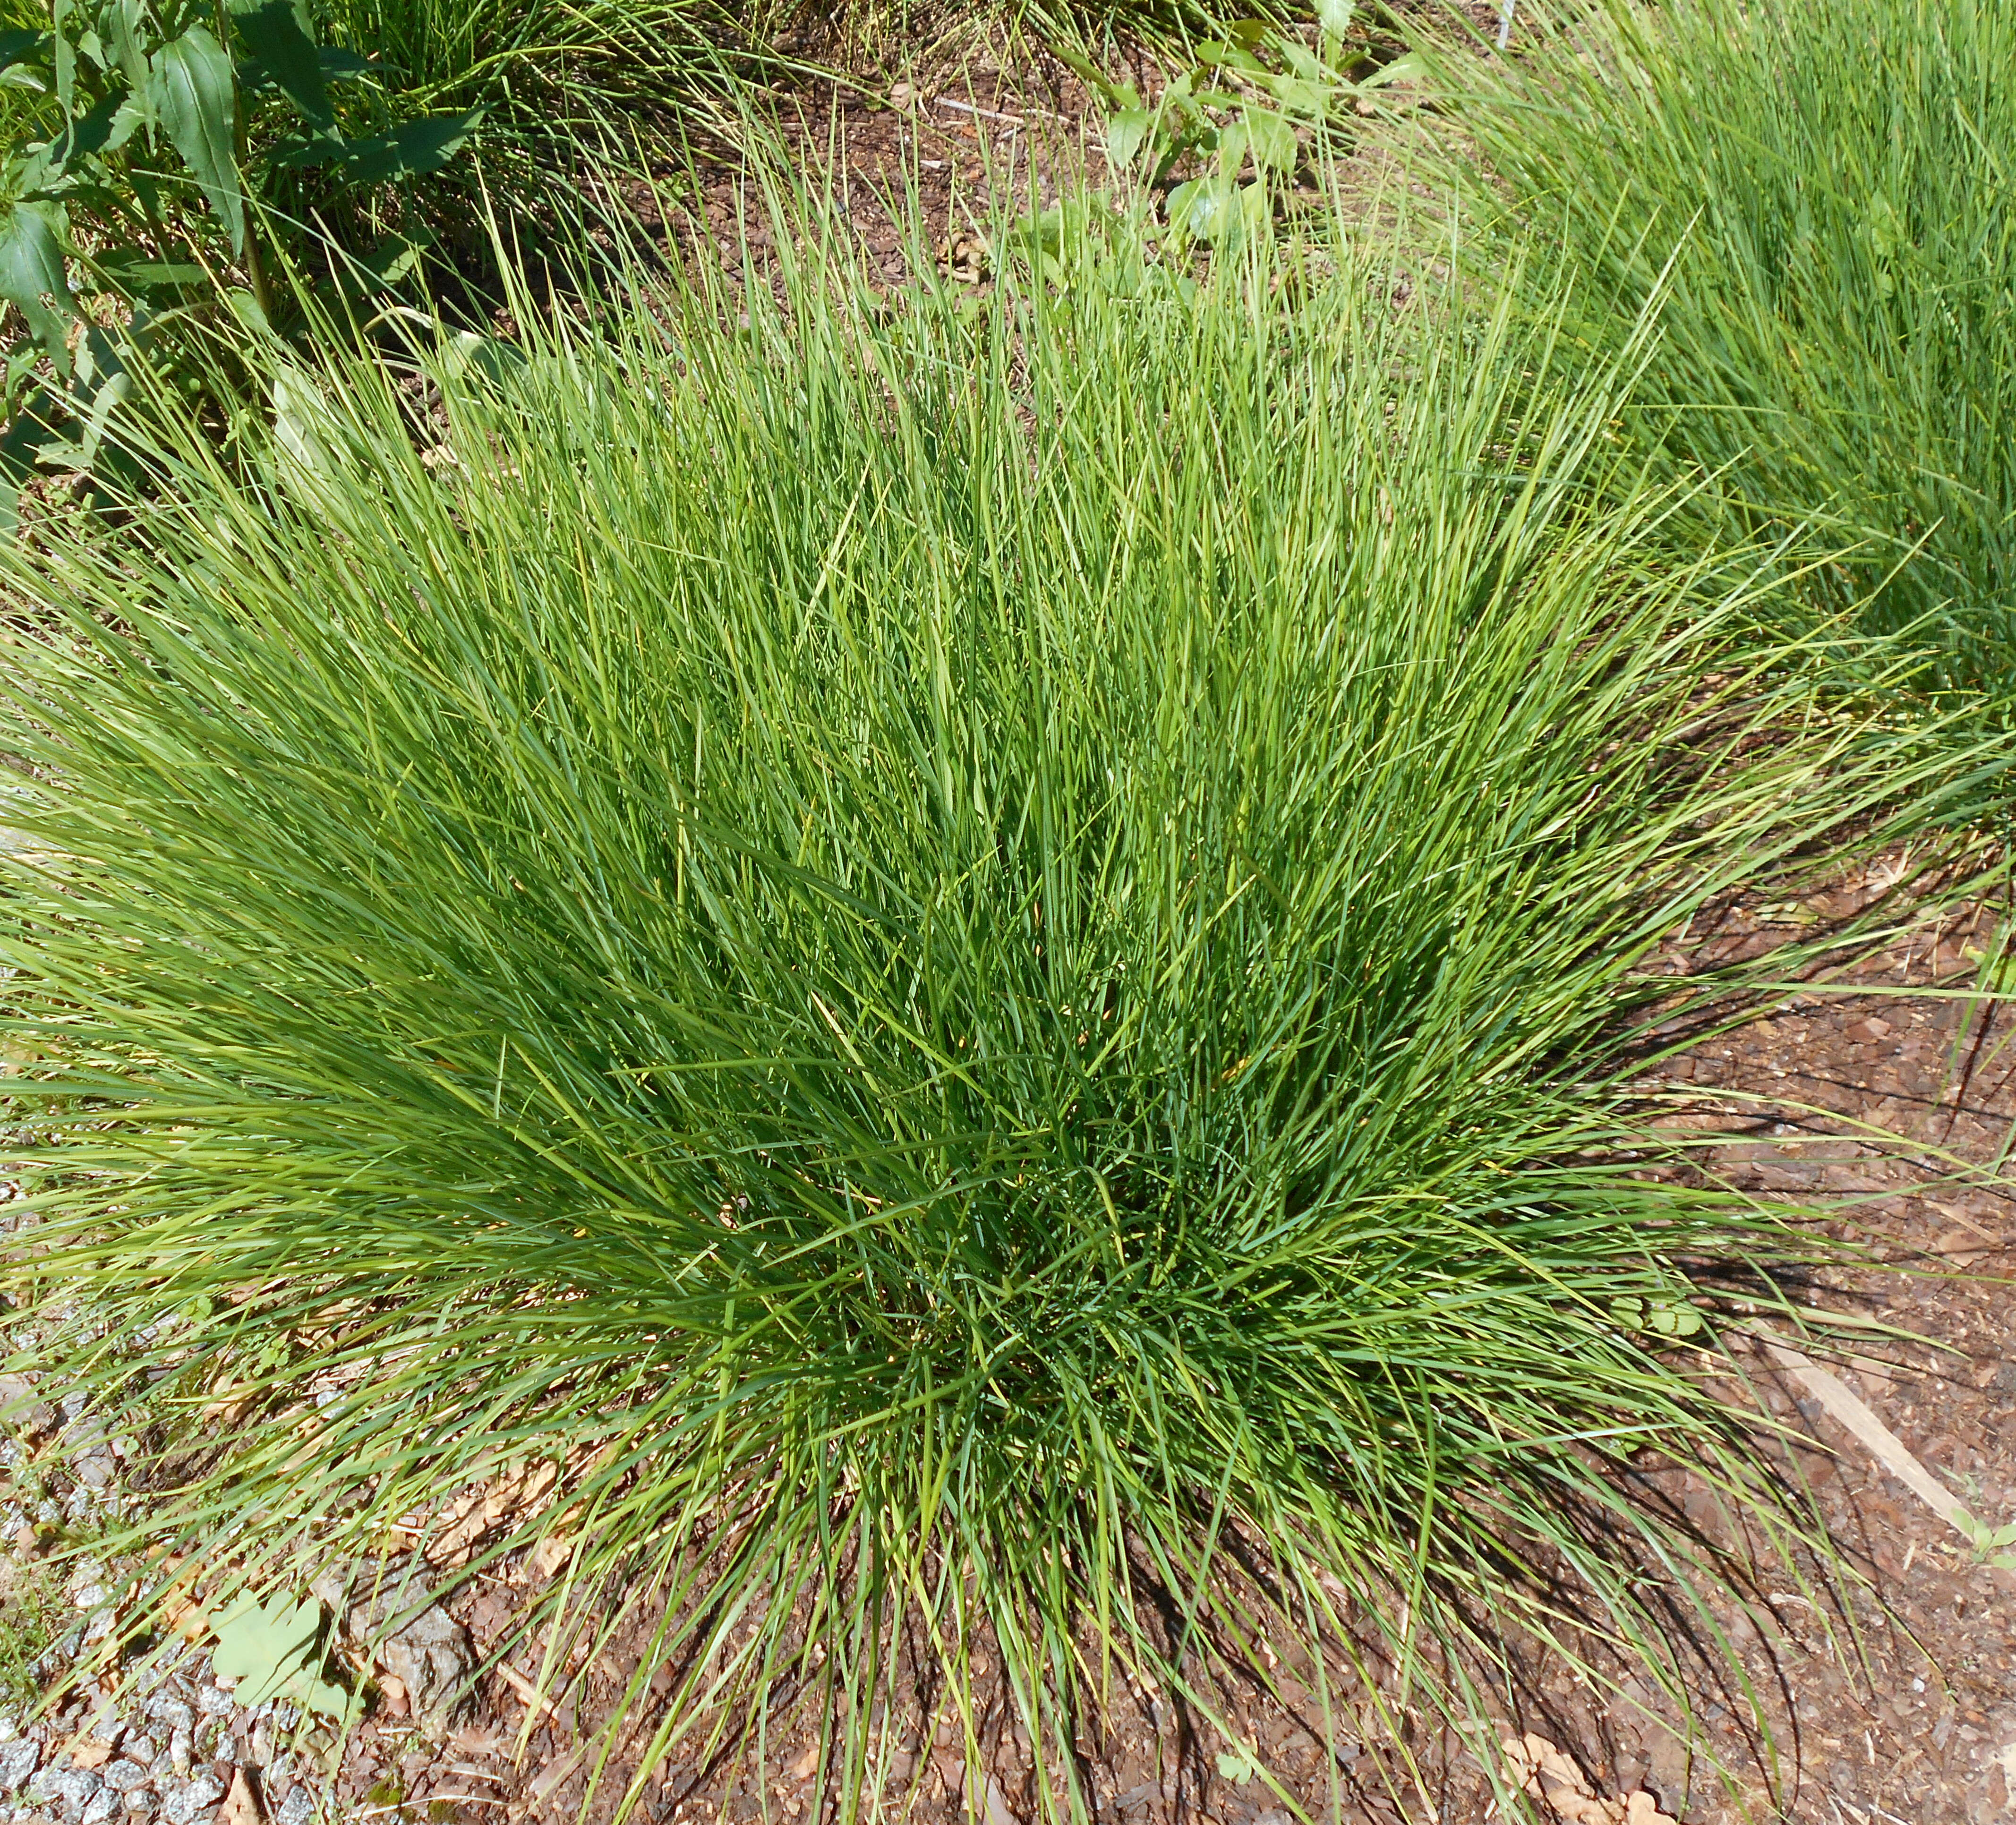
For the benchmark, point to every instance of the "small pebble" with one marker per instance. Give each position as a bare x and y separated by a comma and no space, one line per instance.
166,1709
182,1806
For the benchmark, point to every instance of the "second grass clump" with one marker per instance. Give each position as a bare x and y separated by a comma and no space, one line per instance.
943,968
1820,201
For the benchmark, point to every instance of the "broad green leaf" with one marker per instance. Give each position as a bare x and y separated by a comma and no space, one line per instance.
1309,101
1225,56
1124,132
31,274
488,356
1198,208
277,34
300,414
106,128
1271,140
66,54
190,84
122,24
1334,16
1401,69
271,1649
133,270
411,151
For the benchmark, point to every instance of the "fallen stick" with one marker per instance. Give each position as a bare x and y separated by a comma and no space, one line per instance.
1860,1420
533,1696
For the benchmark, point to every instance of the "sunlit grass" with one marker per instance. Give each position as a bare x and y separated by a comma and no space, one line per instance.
1827,191
944,952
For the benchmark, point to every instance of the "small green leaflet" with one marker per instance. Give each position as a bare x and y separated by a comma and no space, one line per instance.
1664,1318
1238,1765
1271,140
190,85
1124,133
273,1650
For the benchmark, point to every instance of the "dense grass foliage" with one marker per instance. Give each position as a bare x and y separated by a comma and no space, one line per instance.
952,956
550,70
1830,191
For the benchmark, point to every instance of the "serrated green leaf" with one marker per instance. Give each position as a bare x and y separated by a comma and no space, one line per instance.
191,87
276,33
411,151
121,24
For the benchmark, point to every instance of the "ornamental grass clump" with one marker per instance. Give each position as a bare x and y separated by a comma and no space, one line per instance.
941,967
1827,191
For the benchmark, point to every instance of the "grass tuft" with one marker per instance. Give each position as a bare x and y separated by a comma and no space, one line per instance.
1826,192
945,966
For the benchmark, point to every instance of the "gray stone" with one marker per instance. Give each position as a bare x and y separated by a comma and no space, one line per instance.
191,1799
298,1808
164,1708
73,1786
139,1806
100,1809
215,1701
427,1651
122,1776
141,1747
178,1756
17,1762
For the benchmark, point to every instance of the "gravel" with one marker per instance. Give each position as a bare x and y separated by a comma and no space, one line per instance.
199,1795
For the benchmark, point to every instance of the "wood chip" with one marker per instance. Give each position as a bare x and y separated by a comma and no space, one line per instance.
86,1751
535,1699
241,1804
